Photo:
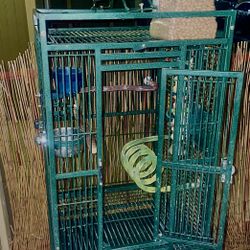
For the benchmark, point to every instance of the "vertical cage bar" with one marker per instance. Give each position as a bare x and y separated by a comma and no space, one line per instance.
99,146
231,20
43,117
221,101
179,98
160,126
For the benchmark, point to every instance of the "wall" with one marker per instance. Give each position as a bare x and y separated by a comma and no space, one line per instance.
13,29
30,6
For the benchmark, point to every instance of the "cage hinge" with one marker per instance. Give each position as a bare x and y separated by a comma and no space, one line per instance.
223,176
41,138
100,163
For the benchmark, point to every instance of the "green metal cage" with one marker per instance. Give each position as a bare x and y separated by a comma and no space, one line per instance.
104,83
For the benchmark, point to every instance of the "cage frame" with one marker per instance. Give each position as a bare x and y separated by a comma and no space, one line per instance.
41,18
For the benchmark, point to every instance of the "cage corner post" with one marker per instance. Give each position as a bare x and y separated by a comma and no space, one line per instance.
99,146
160,129
50,164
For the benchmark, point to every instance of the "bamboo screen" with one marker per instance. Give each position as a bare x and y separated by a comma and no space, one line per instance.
22,163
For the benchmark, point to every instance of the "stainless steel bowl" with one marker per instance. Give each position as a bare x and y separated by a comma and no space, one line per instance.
67,142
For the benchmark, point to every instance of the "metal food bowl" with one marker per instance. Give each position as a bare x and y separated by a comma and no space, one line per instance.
67,142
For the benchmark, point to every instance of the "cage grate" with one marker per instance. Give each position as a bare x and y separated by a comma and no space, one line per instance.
128,219
121,35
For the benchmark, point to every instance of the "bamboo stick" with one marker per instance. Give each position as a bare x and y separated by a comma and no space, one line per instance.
22,160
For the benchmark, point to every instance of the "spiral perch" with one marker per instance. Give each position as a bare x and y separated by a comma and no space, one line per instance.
140,163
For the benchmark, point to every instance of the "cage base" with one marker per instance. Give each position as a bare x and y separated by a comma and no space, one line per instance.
128,223
125,223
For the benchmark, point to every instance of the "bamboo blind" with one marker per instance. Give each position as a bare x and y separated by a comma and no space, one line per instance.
22,159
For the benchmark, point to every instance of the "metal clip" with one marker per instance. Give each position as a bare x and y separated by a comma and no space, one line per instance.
141,5
148,80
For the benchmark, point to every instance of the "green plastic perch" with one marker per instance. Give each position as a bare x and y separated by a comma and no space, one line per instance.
140,163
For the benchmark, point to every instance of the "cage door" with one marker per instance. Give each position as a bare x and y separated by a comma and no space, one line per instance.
197,128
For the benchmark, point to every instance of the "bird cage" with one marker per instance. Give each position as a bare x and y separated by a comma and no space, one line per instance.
110,91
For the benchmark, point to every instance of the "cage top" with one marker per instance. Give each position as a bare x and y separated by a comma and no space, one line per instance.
112,14
116,32
100,35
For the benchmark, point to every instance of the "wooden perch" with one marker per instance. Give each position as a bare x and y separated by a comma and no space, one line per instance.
141,88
